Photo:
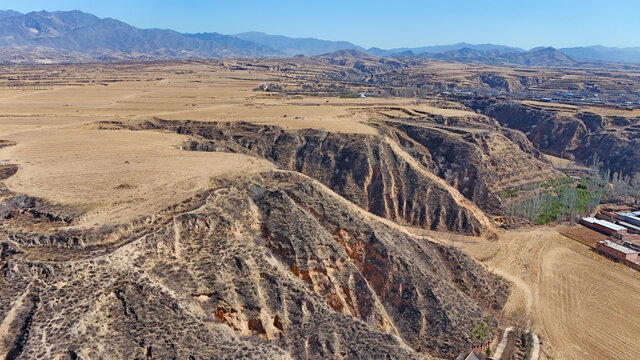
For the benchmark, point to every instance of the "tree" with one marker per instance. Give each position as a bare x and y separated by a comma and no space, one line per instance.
520,321
481,329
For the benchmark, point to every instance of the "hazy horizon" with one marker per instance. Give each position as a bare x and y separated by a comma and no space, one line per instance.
381,24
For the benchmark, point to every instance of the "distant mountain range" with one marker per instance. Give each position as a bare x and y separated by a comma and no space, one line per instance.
440,48
624,55
535,57
75,36
292,46
108,39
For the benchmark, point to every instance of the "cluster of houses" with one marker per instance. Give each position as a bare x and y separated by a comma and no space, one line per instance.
624,231
619,101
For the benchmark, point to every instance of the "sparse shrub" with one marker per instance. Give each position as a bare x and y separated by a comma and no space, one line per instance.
508,194
523,339
23,202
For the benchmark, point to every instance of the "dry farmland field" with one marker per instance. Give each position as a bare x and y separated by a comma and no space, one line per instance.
583,305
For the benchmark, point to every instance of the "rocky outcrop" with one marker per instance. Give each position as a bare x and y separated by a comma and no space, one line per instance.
7,171
276,266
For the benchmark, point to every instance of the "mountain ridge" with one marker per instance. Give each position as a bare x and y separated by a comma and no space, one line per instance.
297,46
76,36
546,56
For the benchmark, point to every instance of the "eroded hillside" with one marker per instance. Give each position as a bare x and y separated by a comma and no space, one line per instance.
610,141
420,174
277,256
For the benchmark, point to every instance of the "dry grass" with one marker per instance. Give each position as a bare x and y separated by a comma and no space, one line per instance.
583,305
560,163
193,93
116,176
614,112
552,106
604,111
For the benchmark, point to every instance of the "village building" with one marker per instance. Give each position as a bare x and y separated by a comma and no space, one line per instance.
633,245
617,251
604,226
632,218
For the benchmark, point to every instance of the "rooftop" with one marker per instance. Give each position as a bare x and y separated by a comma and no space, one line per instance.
604,223
617,247
629,226
630,214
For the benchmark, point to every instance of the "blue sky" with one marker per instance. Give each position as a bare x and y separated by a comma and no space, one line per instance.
385,24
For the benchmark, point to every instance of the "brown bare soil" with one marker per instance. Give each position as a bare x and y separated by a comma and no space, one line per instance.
582,234
66,137
582,304
67,155
189,91
263,262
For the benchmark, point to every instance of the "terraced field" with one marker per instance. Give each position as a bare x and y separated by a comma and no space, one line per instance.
589,305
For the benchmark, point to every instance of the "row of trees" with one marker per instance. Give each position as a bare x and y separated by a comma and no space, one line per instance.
25,87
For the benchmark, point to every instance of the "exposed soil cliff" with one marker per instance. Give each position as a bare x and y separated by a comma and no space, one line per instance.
478,162
614,141
397,174
276,266
372,171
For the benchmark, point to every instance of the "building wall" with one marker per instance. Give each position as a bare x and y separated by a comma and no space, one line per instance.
606,216
633,265
615,253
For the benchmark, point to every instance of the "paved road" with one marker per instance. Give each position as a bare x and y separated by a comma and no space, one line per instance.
503,344
535,353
